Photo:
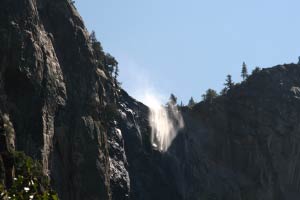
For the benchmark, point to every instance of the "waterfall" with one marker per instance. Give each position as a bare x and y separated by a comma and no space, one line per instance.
165,122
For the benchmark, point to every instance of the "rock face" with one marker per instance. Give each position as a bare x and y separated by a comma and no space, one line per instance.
58,105
54,100
244,145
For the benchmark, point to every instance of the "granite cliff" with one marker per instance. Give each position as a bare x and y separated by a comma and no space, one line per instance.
60,106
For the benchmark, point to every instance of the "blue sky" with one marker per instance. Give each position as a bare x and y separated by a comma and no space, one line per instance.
187,46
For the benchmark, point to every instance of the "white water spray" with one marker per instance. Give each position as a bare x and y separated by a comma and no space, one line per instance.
164,121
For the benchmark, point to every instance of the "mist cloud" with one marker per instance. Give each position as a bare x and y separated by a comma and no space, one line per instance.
165,122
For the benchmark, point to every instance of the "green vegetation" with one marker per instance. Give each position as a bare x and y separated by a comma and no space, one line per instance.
228,85
105,60
244,73
110,64
181,104
172,99
29,182
191,102
209,95
97,47
256,70
228,82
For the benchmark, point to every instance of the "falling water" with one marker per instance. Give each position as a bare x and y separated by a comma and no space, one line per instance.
164,121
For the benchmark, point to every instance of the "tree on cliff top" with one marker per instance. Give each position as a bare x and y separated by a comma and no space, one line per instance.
104,59
191,102
209,95
97,47
173,99
244,73
228,82
256,70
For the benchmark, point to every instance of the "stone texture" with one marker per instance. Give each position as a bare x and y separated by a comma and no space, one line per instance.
51,97
58,105
245,144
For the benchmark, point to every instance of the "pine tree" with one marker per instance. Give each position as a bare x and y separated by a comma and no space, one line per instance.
97,47
105,60
191,102
209,95
181,104
229,83
111,64
244,72
93,38
116,72
173,99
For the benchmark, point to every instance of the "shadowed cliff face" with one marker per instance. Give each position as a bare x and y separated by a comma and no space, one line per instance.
94,140
53,95
244,145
